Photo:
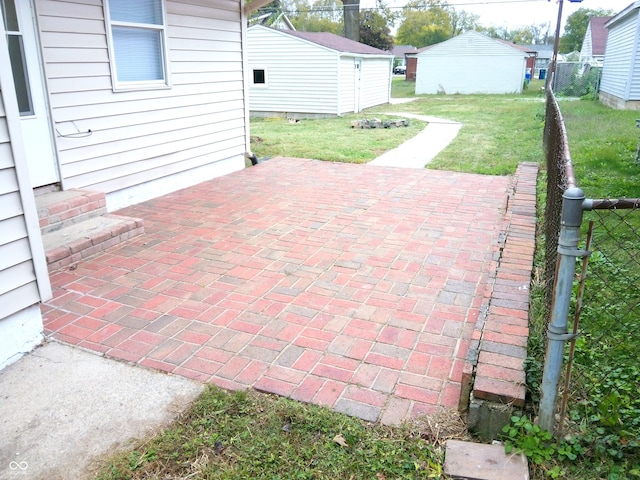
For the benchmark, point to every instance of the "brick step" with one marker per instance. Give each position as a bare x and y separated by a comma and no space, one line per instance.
77,241
57,210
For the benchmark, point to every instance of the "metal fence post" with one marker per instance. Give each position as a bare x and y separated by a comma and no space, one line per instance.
572,205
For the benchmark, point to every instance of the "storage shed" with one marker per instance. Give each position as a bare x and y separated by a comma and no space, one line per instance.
470,63
306,74
620,84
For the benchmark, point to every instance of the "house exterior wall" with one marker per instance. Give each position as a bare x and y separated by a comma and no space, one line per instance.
149,142
620,60
586,53
301,77
23,275
412,66
376,81
470,63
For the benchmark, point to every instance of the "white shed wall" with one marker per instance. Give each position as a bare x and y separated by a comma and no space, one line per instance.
142,137
618,61
347,85
376,81
470,63
301,77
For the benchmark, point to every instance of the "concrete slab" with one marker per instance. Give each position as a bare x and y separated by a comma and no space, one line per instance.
475,461
62,407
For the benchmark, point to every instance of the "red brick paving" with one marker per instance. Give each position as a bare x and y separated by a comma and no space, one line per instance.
341,285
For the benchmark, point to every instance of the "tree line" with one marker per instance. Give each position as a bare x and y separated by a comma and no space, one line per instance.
420,23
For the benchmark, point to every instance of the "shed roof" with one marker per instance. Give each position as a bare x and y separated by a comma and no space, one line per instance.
599,34
336,42
522,48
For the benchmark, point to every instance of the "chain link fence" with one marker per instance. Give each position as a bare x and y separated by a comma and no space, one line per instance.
559,176
600,399
573,79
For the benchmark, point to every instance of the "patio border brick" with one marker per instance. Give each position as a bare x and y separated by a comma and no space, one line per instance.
494,369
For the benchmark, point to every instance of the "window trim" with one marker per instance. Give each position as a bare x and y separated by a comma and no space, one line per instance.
266,77
127,86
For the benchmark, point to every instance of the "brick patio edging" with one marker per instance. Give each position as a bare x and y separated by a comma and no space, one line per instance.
494,370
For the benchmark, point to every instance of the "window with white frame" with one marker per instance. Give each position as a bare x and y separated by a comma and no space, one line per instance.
137,36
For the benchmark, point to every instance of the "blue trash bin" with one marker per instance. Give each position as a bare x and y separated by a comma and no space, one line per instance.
542,74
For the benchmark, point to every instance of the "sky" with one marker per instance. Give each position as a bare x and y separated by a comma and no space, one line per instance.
518,13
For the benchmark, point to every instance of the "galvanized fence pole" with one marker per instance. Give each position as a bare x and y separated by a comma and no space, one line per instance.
557,334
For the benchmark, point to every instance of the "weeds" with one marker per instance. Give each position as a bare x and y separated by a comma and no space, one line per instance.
252,435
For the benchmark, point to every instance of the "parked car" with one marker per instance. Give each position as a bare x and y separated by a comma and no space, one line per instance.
400,70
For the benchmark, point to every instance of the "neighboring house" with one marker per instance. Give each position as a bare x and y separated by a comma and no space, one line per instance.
471,63
620,84
530,54
273,20
130,102
305,74
399,53
412,63
595,42
544,54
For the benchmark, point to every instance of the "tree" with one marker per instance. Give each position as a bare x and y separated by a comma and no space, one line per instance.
320,16
576,27
425,22
462,21
351,19
374,30
537,33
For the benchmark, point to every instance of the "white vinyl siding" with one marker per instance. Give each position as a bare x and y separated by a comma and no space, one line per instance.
303,77
18,284
470,63
110,141
618,58
347,88
307,78
586,53
375,84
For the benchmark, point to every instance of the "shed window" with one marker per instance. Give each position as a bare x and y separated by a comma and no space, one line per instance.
138,43
259,76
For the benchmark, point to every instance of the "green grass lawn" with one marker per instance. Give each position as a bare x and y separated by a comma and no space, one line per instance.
498,132
248,435
330,139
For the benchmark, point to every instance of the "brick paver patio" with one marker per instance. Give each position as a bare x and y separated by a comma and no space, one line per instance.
342,285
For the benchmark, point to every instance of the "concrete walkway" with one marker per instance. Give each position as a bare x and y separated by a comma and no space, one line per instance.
61,407
421,149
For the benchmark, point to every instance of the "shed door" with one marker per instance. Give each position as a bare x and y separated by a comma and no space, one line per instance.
28,77
357,77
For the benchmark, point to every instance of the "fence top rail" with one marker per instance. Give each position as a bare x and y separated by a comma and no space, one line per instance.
612,204
567,165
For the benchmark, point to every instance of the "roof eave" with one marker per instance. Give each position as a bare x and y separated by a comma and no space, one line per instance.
255,5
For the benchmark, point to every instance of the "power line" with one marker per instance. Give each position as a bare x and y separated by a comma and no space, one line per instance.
410,7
